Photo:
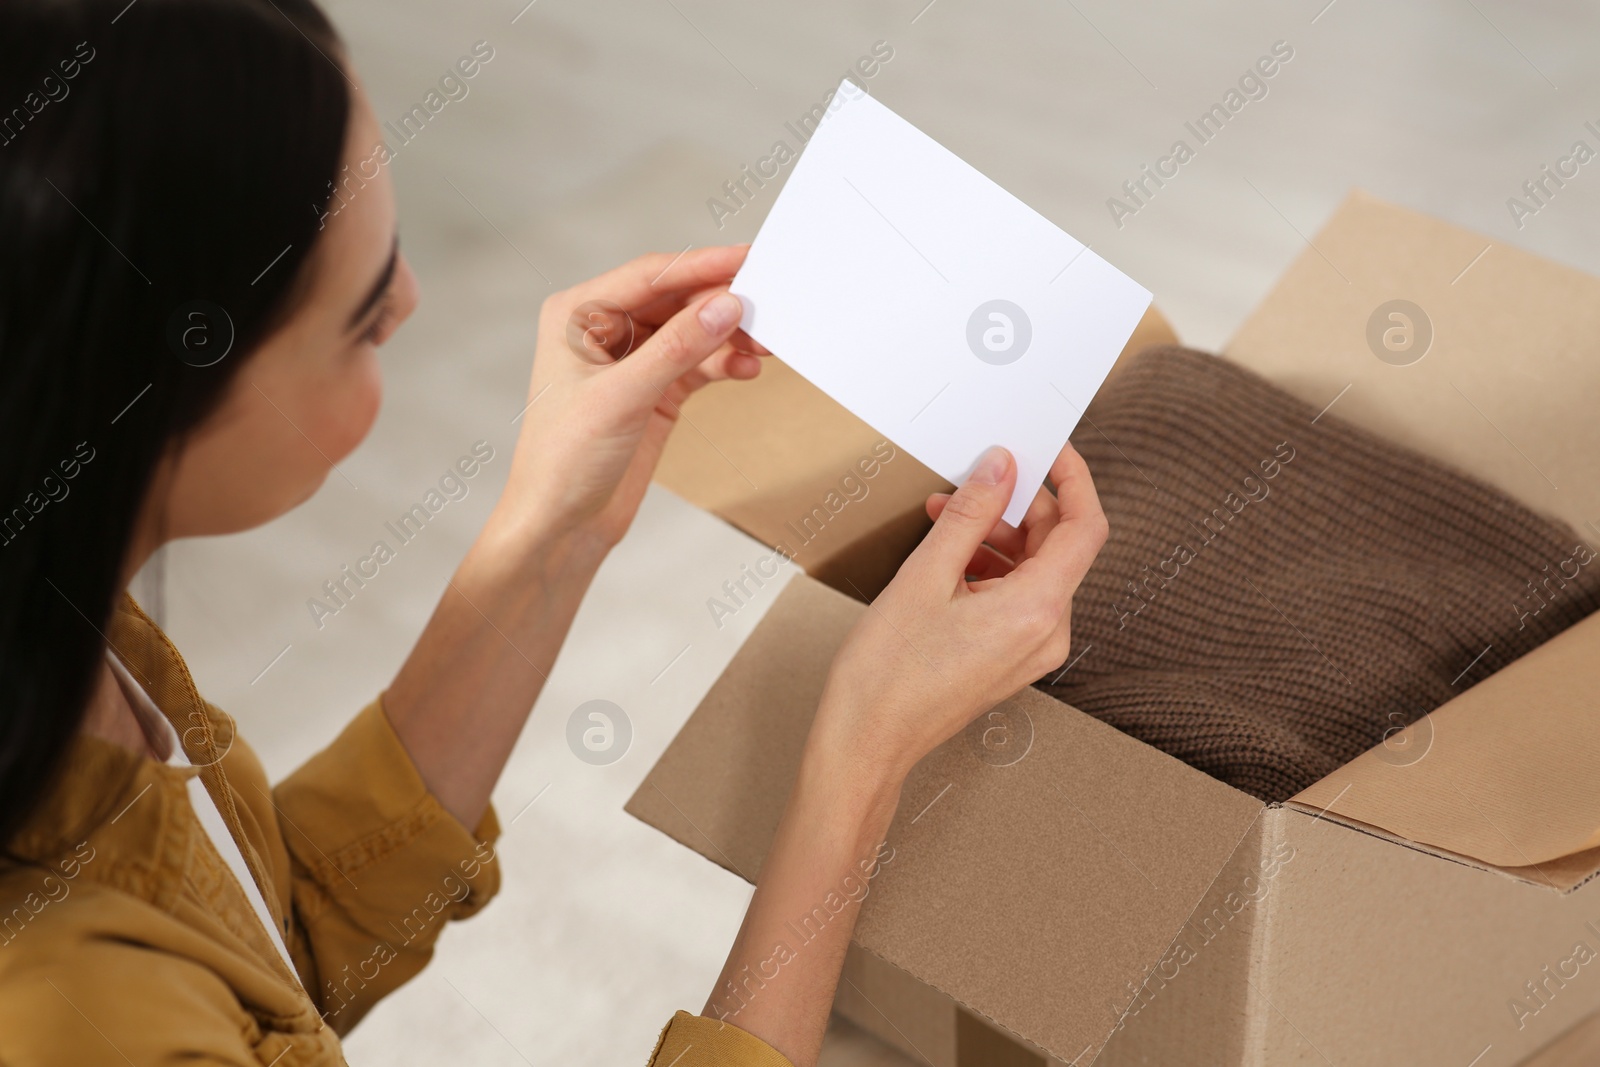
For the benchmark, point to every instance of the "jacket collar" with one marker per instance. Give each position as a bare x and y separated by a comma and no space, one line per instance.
131,814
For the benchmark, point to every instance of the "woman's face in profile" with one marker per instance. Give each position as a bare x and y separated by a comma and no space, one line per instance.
308,394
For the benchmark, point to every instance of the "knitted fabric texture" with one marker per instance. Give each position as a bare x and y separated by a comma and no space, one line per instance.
1281,591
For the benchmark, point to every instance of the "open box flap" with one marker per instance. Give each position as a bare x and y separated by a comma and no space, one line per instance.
1503,370
1503,774
782,461
1038,893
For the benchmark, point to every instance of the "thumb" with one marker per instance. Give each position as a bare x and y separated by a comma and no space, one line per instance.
971,514
684,341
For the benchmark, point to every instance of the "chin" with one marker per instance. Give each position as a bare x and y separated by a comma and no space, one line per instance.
309,491
280,506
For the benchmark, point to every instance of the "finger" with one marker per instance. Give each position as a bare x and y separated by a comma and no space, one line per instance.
649,278
664,307
739,341
1043,515
726,362
1004,536
734,364
1075,492
745,343
682,344
657,311
1017,542
647,319
1063,558
967,517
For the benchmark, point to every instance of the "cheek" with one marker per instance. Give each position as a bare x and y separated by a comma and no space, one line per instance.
335,415
350,407
269,448
331,415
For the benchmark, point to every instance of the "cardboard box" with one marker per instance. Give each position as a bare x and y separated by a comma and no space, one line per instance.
1099,901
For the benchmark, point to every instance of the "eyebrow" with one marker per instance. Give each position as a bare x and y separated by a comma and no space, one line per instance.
379,287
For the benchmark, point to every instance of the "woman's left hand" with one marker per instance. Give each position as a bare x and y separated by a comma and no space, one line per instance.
591,434
616,356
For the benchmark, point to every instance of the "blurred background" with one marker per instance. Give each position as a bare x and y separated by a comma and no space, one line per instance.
601,130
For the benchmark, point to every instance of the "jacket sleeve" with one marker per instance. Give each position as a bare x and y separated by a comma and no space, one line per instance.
377,866
698,1041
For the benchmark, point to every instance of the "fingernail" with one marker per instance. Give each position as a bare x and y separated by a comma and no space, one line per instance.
720,313
991,466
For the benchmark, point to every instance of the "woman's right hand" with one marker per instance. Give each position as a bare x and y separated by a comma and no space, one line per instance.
936,649
932,653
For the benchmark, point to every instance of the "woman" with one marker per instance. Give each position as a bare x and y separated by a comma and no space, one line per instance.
189,325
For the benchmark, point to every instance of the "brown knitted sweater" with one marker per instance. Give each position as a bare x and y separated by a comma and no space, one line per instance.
1278,593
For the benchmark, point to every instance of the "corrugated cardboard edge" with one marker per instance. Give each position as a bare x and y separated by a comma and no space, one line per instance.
1561,876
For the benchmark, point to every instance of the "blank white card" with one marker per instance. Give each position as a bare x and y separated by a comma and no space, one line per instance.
930,302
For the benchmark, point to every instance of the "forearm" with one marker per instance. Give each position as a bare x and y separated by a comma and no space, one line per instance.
779,979
462,696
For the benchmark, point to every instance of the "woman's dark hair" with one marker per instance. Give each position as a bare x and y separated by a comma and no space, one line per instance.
164,165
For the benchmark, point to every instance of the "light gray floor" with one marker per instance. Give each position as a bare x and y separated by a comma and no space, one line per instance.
599,131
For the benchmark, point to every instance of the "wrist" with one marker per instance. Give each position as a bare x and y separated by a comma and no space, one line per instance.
855,726
526,550
846,783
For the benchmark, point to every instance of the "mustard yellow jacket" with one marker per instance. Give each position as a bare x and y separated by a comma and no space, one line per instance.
127,940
